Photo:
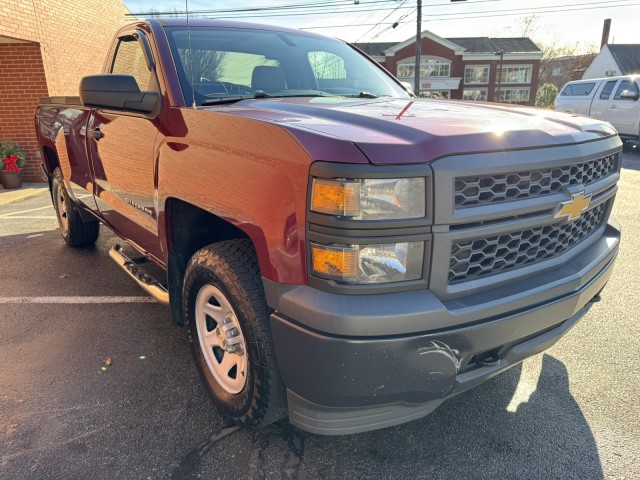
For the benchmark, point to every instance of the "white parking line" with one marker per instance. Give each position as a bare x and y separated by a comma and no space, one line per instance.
6,215
25,217
76,300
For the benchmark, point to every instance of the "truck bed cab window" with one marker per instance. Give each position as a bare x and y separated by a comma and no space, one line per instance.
608,88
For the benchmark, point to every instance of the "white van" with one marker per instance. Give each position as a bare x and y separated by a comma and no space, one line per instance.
614,99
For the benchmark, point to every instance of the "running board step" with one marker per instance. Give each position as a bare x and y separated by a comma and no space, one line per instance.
142,278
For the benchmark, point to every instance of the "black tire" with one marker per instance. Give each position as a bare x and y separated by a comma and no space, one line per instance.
231,268
75,231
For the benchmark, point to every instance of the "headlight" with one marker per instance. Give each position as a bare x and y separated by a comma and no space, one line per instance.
370,199
365,264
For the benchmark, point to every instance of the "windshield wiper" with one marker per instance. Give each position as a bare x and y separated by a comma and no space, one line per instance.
223,100
263,94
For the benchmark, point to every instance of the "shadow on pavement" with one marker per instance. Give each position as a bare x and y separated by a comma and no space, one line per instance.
60,417
470,436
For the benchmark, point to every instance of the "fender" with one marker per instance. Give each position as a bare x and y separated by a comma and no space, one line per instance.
250,173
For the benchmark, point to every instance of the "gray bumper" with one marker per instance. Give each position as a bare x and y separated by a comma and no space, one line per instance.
354,363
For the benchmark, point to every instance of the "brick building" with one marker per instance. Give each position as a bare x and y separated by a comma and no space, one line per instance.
474,68
561,70
46,46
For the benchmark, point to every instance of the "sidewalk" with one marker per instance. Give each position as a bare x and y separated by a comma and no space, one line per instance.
27,190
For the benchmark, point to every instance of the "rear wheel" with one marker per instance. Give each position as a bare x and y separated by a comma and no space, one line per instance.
75,231
230,333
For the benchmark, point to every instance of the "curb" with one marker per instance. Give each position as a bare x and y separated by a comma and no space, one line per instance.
28,190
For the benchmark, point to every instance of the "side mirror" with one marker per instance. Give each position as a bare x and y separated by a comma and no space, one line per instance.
116,92
628,95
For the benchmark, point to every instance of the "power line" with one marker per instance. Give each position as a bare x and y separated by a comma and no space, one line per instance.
471,15
536,9
380,22
330,5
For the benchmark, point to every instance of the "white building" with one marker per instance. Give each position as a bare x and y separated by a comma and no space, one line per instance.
615,60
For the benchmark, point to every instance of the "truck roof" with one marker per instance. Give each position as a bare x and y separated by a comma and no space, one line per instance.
206,22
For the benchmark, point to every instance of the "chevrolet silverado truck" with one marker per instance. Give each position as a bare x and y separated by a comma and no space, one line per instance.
340,251
614,99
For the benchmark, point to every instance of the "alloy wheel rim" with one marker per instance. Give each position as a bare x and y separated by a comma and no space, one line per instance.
62,213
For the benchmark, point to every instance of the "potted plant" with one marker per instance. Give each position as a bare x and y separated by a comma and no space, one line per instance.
11,161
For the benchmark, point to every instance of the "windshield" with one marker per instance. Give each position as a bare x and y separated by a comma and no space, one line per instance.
220,64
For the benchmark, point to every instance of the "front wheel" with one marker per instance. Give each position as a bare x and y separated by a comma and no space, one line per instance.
75,231
231,341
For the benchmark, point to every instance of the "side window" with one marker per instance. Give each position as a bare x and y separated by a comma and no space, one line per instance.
583,89
625,86
130,60
608,88
568,90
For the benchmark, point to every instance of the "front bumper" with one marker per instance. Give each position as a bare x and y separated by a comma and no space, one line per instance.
353,363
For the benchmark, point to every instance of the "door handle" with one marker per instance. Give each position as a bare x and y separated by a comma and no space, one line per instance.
612,106
96,134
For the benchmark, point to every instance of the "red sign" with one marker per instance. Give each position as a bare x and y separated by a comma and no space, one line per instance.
426,85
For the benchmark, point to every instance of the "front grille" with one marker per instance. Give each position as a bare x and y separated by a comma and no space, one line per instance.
474,259
490,189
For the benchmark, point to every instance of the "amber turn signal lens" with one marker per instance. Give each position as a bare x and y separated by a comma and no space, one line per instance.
335,197
334,262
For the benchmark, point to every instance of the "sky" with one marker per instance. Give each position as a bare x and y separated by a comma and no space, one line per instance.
559,22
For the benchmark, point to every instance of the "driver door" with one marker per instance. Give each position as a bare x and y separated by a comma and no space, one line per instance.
623,113
121,150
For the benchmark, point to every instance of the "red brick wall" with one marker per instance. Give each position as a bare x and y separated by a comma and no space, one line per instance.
74,35
22,84
67,40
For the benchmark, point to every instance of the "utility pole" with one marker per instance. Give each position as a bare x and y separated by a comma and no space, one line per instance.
416,72
416,85
497,95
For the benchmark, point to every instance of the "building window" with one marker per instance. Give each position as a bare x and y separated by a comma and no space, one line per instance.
516,74
514,95
437,94
556,72
476,74
429,67
477,94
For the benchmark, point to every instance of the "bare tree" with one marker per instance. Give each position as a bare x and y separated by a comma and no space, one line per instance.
561,62
199,65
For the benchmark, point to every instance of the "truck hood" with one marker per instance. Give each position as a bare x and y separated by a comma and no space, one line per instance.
391,130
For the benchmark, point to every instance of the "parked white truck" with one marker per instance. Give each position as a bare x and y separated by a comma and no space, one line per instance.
614,99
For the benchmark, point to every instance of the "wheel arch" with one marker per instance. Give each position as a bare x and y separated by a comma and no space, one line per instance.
189,228
51,162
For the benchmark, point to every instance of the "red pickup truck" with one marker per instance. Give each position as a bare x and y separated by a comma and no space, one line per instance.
342,252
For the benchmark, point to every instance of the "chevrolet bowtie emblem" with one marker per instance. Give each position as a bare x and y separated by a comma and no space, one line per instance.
572,209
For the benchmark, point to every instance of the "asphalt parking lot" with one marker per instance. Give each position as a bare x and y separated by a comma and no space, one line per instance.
572,412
